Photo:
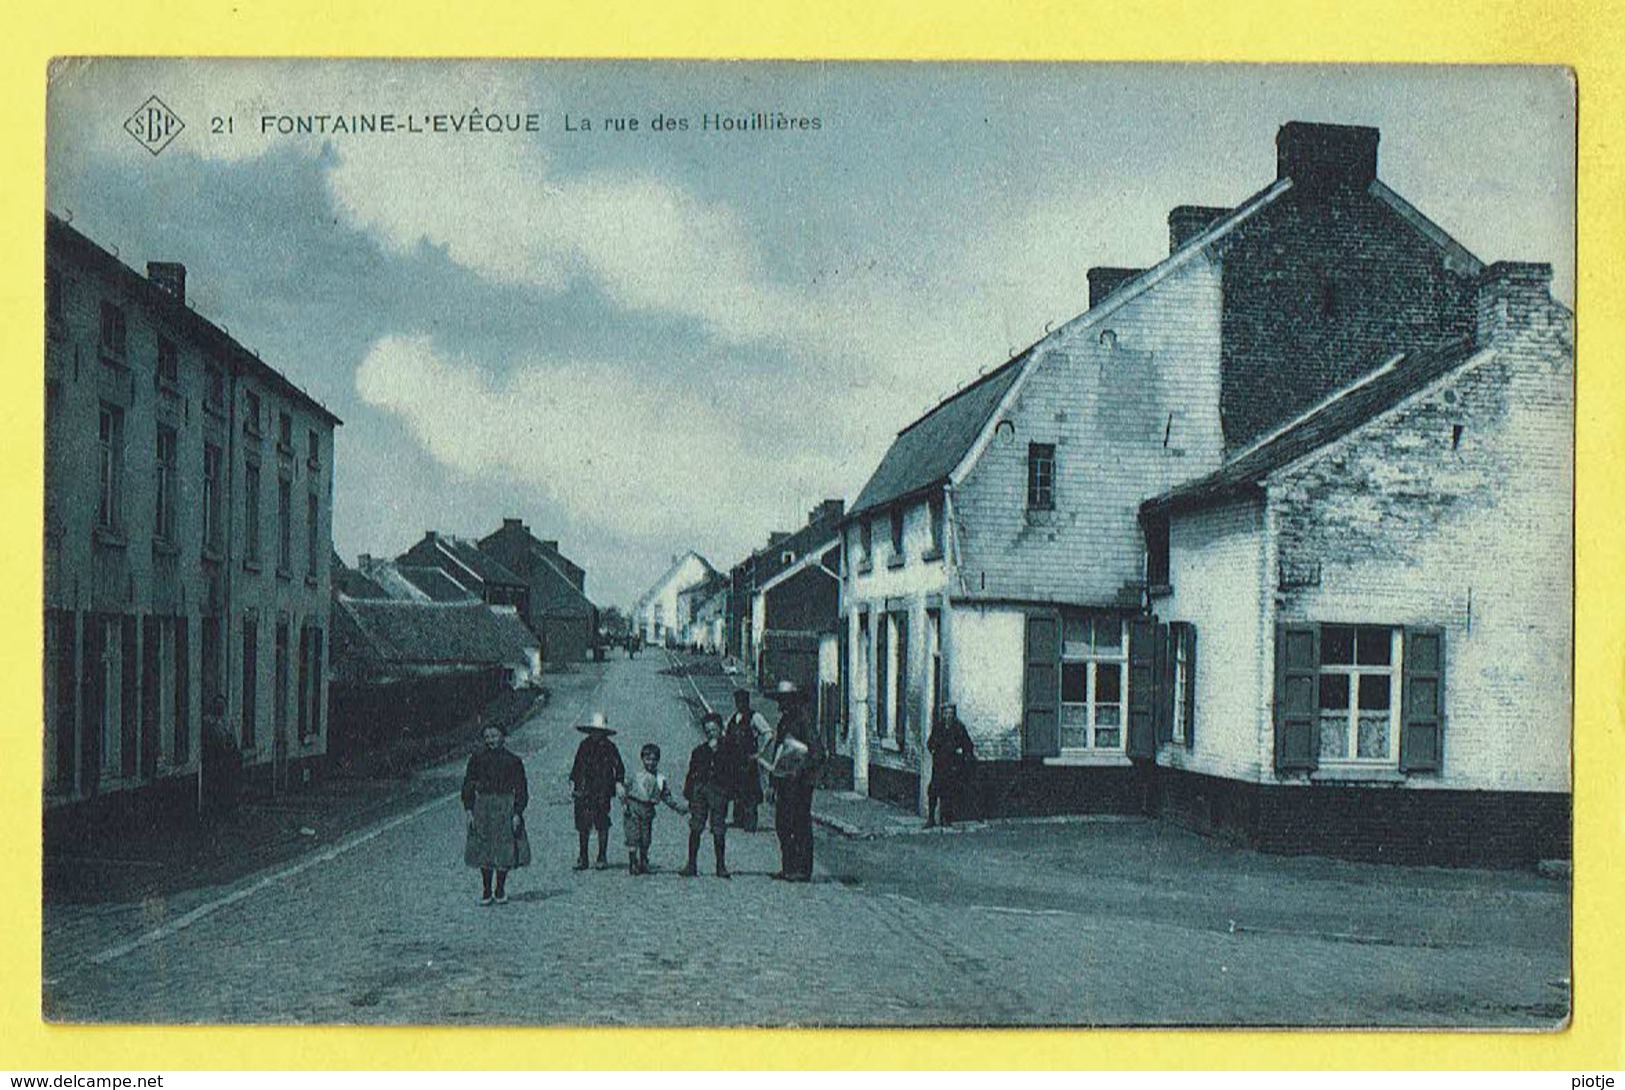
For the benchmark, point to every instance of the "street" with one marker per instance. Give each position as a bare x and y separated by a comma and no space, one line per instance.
1071,923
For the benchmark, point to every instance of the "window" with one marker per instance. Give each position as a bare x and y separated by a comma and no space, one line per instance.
934,511
312,523
284,432
279,697
1358,712
251,513
214,396
251,679
110,469
310,684
164,515
866,544
896,537
168,369
313,449
1182,648
251,413
1157,559
181,659
1094,668
1040,476
112,339
284,525
213,492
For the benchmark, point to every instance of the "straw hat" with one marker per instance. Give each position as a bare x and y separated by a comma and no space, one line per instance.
599,725
786,690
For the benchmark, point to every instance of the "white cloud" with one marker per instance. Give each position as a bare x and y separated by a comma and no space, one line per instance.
631,459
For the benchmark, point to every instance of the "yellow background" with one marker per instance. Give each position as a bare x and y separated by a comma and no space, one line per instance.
1585,36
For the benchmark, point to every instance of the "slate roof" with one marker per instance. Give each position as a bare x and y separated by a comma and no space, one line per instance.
1354,405
925,452
346,580
554,593
435,583
439,633
485,567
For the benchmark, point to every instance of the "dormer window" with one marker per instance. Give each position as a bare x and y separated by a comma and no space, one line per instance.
934,511
896,536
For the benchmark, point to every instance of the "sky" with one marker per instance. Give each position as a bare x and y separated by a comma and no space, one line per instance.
654,340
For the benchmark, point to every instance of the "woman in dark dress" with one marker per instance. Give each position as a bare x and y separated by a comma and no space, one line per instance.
494,797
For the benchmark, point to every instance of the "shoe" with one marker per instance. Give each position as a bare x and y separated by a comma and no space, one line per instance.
689,871
724,872
602,864
581,864
501,898
486,901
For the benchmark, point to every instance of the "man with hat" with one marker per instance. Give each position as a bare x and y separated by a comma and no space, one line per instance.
792,764
597,770
745,735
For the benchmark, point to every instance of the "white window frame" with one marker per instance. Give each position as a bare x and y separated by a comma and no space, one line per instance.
1092,658
1394,670
1182,666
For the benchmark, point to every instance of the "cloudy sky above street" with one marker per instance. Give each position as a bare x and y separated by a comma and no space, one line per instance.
644,342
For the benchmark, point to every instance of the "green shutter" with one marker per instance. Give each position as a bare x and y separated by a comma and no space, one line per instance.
882,673
1297,697
843,673
1421,735
1144,633
1188,633
905,702
1167,658
1041,710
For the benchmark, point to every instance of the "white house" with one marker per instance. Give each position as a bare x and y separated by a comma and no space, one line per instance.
660,613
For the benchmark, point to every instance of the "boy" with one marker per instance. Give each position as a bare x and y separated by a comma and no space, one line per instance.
708,787
594,778
643,788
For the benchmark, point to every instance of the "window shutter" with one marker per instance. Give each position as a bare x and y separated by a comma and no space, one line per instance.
1167,658
1040,721
843,672
1297,697
1421,735
1188,632
1143,636
905,700
882,673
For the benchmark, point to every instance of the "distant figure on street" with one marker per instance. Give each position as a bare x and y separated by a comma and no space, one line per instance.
792,765
953,759
746,738
594,779
641,791
494,797
708,787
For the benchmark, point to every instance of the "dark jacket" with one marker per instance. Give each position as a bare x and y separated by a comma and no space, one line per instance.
496,772
709,767
950,746
795,722
598,769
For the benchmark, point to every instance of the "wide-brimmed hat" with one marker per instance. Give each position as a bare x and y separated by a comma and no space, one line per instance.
786,690
599,725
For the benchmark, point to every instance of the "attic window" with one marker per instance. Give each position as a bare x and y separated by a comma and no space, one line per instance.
1456,431
787,557
1041,476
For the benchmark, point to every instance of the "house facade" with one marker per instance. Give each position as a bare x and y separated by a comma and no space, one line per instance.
996,559
784,549
1380,592
557,608
662,613
706,606
463,562
188,515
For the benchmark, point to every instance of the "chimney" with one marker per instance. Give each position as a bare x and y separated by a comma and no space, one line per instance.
431,535
513,524
776,536
363,562
1326,156
1511,294
1103,280
1189,220
828,511
169,276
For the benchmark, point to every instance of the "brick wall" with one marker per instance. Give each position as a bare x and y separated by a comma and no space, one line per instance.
1130,404
1320,287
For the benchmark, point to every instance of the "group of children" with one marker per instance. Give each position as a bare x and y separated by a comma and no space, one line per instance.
598,778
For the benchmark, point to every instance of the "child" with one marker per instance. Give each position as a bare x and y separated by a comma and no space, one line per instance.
642,789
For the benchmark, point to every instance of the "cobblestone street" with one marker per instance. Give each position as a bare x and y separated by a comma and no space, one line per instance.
1063,923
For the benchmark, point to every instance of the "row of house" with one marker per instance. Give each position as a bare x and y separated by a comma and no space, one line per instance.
187,528
1274,538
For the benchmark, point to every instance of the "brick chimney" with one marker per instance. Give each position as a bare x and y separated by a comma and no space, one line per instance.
1104,279
514,524
1512,296
1318,156
828,511
1189,220
170,276
776,536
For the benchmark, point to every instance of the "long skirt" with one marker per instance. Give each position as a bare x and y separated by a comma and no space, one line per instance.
491,839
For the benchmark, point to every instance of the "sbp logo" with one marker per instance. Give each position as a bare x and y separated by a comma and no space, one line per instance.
154,125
